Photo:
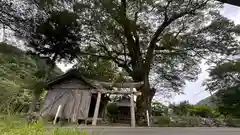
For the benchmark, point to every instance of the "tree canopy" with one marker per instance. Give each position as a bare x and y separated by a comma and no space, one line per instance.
165,40
225,81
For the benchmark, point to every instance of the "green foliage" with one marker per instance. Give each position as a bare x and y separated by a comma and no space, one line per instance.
231,122
191,121
209,101
5,48
181,109
225,80
163,121
125,32
178,121
224,75
201,111
58,37
98,69
18,78
167,37
186,109
187,122
228,101
11,125
159,109
112,112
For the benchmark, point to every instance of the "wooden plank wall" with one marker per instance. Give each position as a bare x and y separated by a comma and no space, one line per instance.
75,103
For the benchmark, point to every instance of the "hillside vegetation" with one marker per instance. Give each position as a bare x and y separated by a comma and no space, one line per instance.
208,102
17,77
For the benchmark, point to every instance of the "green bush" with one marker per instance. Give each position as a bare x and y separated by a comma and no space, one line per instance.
38,129
202,111
159,109
112,112
231,122
163,121
19,74
17,126
193,121
186,121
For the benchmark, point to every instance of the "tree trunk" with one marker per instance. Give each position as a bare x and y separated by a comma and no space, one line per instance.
143,102
32,107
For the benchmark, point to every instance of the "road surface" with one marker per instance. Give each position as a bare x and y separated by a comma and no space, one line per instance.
159,131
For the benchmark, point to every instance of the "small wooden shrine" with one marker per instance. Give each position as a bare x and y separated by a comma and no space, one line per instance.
76,98
74,93
124,105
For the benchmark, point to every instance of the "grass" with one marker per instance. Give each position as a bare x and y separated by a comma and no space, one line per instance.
13,125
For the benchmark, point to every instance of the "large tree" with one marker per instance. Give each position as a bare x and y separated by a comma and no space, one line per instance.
50,33
225,81
166,39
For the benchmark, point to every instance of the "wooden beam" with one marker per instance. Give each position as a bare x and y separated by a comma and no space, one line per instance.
53,102
133,121
122,85
103,91
96,111
148,119
57,113
116,92
118,85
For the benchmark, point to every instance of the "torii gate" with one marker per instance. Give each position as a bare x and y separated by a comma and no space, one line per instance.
130,85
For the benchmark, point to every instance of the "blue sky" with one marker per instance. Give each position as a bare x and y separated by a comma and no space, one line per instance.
194,91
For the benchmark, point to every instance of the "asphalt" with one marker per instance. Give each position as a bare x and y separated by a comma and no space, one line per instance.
159,131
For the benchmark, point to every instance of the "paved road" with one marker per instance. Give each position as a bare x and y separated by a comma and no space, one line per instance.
160,131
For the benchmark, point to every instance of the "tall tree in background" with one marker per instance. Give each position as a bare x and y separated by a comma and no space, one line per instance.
225,81
50,33
43,73
166,39
58,37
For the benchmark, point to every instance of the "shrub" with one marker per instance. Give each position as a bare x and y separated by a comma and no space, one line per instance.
163,121
112,112
186,122
159,109
15,126
231,122
203,111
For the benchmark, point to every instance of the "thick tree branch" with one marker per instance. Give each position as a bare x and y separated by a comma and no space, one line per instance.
129,32
110,56
125,22
114,59
167,21
166,10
